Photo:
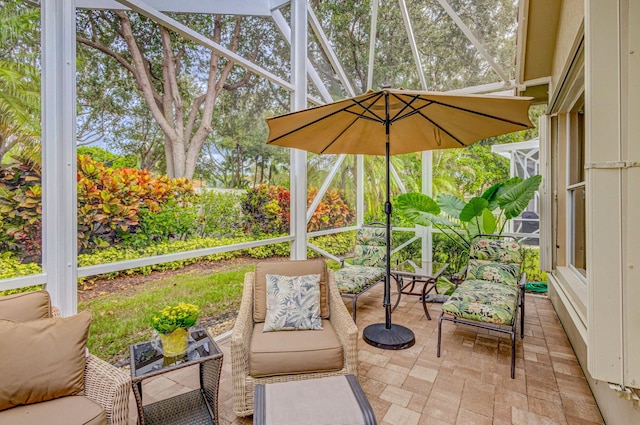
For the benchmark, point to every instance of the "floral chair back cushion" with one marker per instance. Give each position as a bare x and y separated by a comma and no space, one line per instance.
370,249
495,260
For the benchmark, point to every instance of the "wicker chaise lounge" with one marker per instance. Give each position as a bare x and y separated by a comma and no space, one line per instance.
259,357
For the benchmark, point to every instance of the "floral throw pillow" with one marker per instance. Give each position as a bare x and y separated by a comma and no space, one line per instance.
293,303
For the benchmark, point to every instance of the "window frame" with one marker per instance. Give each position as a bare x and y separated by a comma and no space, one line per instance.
575,184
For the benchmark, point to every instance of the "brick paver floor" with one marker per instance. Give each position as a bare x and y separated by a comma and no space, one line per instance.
469,384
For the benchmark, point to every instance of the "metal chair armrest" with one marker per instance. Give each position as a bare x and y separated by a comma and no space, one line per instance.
523,281
458,278
342,259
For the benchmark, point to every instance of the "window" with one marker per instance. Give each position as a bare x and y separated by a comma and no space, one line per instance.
576,220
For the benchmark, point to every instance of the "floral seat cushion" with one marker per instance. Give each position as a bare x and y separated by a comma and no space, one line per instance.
494,271
483,301
353,279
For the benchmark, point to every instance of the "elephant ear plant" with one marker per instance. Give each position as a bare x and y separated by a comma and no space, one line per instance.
461,220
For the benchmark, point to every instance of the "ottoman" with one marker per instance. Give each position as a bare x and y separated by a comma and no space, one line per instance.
333,400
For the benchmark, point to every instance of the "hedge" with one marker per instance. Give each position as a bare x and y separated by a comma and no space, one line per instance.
338,244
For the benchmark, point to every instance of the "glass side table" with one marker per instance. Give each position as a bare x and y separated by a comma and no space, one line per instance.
409,273
195,407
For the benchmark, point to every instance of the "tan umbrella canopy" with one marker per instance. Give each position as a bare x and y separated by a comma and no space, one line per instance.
417,121
390,122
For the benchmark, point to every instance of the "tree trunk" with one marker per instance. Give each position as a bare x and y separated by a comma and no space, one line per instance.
255,171
185,127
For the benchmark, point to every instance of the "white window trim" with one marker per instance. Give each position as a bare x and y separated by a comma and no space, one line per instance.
578,274
574,294
570,189
571,228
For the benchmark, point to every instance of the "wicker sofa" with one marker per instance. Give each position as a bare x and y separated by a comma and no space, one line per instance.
259,357
105,396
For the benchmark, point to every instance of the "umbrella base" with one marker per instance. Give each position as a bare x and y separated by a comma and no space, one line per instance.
396,338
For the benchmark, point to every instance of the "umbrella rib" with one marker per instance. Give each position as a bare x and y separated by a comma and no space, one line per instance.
471,111
346,108
406,105
431,102
368,109
418,111
360,115
442,129
335,139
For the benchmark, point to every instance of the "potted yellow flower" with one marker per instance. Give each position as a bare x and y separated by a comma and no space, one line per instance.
172,323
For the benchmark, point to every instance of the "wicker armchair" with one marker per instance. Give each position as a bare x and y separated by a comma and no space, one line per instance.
241,337
106,385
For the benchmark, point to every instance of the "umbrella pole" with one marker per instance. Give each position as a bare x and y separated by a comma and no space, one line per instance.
387,211
386,335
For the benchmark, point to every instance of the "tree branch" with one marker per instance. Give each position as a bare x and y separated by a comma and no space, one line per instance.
142,78
213,89
247,75
193,114
240,83
170,80
108,51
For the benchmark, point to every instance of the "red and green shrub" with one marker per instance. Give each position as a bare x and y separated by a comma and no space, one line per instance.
332,212
21,205
110,202
266,209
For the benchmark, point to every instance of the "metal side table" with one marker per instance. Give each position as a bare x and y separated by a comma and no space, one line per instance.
426,273
195,407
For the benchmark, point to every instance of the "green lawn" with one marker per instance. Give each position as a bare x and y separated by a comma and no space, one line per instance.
121,319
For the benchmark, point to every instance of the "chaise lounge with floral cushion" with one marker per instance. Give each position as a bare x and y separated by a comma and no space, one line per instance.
492,291
368,266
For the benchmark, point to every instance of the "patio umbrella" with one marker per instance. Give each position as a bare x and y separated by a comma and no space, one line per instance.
395,121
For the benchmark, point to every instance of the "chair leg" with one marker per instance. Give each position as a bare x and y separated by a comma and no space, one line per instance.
439,333
355,300
399,285
513,354
522,316
424,302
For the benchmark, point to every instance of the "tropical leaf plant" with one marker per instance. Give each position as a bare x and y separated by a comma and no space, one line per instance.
461,220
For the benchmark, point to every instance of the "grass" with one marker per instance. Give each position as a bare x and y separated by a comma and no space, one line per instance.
122,319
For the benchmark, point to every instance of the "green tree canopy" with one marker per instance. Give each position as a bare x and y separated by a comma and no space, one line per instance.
19,75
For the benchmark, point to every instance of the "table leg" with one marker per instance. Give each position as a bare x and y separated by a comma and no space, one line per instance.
137,392
399,281
425,291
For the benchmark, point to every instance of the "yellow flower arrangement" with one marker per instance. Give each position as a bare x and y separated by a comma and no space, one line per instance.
172,317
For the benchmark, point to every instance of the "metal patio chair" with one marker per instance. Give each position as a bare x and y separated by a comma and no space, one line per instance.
492,291
367,268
